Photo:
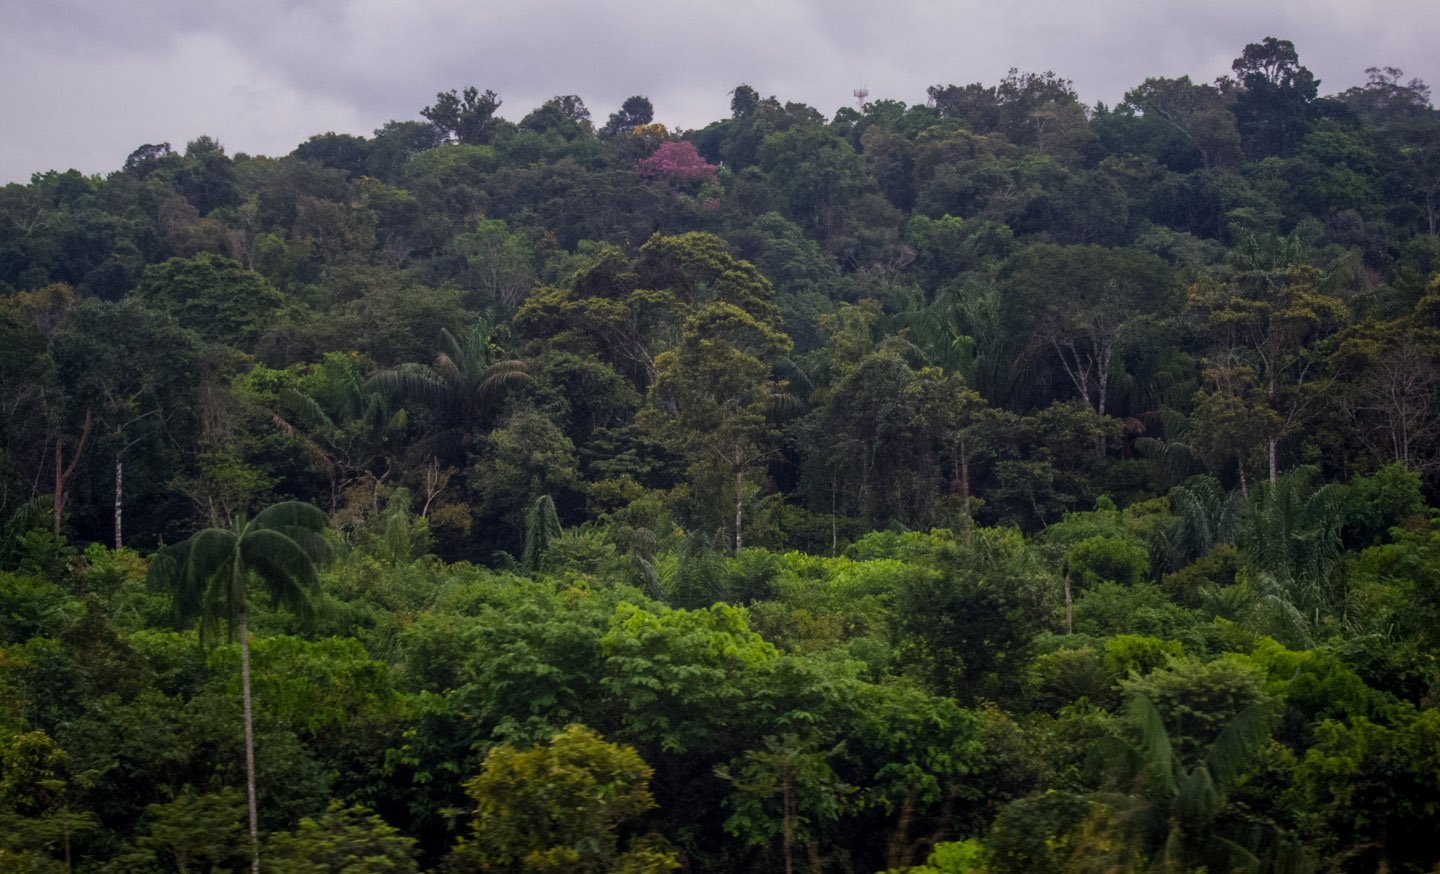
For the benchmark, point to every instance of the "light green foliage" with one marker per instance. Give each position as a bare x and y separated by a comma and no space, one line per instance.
1216,570
1112,559
953,857
33,774
917,546
528,665
1313,685
1375,789
1197,699
912,748
822,604
949,245
1126,653
32,607
343,840
225,485
684,678
1111,608
433,649
586,552
556,809
1399,583
315,689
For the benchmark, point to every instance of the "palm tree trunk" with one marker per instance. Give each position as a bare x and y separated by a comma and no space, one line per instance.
249,741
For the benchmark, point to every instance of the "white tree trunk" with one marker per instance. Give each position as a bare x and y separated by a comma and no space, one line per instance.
249,742
119,468
739,502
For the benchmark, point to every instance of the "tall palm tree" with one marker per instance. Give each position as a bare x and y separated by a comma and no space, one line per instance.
463,385
1203,516
1291,532
542,529
347,426
210,576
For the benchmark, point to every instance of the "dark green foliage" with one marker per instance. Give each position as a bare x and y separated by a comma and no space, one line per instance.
213,296
542,527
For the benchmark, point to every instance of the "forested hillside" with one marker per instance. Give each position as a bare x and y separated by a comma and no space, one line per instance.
992,484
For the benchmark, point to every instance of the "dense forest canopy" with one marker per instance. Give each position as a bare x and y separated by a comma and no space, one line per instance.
994,483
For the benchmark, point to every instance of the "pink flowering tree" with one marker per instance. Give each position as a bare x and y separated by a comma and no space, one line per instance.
676,162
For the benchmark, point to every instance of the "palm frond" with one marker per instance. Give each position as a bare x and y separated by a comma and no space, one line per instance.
1196,797
308,411
495,379
542,529
292,514
1154,742
450,346
198,561
1236,745
453,371
412,383
1277,615
31,514
314,544
287,573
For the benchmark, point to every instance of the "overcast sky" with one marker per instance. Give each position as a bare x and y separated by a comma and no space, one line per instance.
87,81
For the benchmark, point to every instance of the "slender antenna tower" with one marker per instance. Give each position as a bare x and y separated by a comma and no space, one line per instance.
860,94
